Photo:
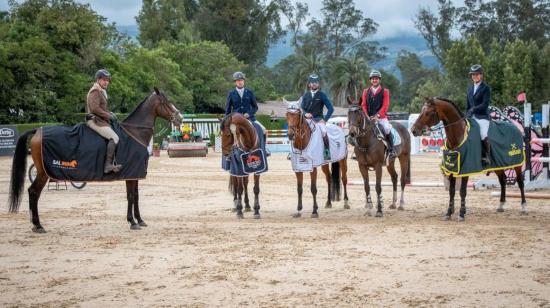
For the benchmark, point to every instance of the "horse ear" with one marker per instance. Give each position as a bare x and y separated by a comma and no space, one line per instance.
156,90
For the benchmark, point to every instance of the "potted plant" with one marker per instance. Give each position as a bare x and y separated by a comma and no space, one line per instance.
156,150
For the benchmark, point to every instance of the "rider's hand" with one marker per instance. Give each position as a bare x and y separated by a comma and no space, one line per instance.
112,117
470,113
246,115
375,117
308,115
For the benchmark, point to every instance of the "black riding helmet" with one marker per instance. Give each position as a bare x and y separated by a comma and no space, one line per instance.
476,68
102,73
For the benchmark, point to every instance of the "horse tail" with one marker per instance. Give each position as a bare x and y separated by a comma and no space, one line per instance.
18,170
335,182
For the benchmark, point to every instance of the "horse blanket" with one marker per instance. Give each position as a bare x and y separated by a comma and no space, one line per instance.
506,150
241,163
77,153
312,156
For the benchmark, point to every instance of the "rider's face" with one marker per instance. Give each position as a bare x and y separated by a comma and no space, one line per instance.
375,81
314,86
239,83
103,82
476,77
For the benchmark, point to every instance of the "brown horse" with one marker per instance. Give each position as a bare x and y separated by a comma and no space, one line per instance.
438,109
139,125
299,133
237,131
370,153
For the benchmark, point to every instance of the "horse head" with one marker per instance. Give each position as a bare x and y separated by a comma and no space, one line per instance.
428,117
358,122
164,109
294,117
237,131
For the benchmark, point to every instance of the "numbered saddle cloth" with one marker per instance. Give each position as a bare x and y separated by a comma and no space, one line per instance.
240,163
312,156
77,153
506,150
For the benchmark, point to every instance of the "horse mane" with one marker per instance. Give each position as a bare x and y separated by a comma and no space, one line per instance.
139,106
450,102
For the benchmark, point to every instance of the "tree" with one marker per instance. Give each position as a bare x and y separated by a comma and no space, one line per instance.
349,78
413,73
437,30
296,15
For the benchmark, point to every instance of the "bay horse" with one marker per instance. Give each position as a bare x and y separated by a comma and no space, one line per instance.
299,133
370,153
237,131
139,125
435,110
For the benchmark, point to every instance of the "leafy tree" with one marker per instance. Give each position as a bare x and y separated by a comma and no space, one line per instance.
413,73
437,30
348,78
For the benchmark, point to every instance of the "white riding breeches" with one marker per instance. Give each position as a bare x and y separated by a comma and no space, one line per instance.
386,125
263,127
322,126
104,131
483,127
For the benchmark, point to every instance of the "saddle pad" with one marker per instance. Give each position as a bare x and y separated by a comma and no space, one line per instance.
77,153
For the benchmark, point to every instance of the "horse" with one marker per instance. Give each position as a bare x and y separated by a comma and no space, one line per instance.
370,152
299,133
139,125
435,110
237,131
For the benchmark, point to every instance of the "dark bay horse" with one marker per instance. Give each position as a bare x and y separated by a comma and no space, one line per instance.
370,153
237,131
299,133
454,122
139,125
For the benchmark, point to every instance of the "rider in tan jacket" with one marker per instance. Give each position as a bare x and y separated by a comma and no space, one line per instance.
98,117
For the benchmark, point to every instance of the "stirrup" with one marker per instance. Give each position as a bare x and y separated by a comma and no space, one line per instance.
326,154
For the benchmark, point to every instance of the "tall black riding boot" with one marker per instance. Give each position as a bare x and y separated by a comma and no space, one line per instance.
109,157
326,152
485,152
391,150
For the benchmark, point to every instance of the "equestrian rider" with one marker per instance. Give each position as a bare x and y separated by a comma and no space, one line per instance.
98,117
478,98
375,103
312,105
243,101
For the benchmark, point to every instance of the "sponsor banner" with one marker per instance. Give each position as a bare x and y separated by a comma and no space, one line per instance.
8,139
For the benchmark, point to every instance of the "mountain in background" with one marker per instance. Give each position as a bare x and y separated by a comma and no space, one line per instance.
282,49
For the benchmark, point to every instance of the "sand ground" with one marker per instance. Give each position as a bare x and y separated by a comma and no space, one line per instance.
196,253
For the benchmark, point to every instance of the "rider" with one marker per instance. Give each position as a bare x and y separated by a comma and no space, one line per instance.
243,101
376,102
313,102
478,98
98,117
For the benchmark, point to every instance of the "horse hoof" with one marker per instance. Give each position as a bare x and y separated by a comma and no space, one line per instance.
135,227
392,207
500,210
379,214
257,216
315,215
240,215
247,209
328,206
297,215
400,208
447,217
38,230
142,224
346,206
460,219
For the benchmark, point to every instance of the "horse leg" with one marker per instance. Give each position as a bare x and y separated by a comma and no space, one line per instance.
313,175
34,194
502,181
247,207
256,199
393,175
451,209
137,215
519,179
239,192
344,174
379,202
365,174
299,188
404,164
326,171
130,196
463,187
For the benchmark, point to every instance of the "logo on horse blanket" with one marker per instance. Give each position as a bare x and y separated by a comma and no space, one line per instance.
506,150
241,163
77,153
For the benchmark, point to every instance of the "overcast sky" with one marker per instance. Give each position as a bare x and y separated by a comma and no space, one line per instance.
392,16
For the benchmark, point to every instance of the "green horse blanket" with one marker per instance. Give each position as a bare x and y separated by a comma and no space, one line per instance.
506,150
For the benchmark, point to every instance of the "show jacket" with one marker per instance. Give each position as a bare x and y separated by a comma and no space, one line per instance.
479,101
377,102
246,104
314,105
96,106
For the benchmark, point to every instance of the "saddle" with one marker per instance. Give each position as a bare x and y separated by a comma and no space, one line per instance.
77,153
395,136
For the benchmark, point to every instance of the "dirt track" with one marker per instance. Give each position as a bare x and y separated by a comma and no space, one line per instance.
196,253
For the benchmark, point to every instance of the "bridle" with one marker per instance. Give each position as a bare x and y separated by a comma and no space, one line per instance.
438,126
237,142
300,129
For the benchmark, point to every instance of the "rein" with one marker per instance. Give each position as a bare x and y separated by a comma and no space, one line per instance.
300,130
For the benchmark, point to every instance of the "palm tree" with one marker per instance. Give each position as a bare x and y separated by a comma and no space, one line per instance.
348,76
306,64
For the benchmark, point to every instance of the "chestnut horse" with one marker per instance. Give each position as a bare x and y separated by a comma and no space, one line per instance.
370,153
139,125
299,133
237,131
454,122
